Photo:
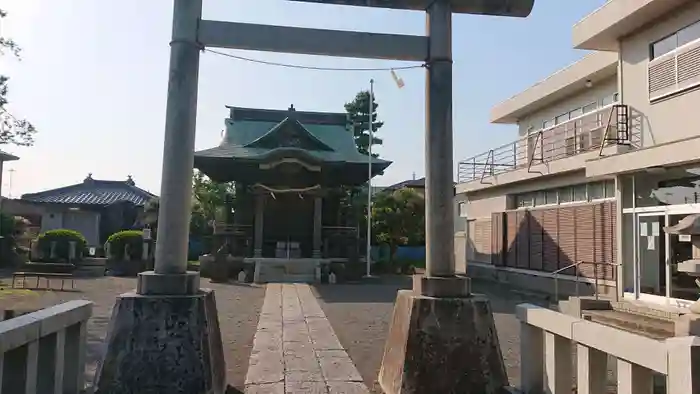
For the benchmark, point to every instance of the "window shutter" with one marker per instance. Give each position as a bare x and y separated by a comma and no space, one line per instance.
662,76
675,71
689,66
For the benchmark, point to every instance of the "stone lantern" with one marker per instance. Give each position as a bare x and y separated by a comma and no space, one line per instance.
690,226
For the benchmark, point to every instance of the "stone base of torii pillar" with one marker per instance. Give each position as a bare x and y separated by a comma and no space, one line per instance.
442,340
163,338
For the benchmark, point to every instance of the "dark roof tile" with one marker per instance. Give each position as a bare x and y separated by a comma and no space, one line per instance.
92,192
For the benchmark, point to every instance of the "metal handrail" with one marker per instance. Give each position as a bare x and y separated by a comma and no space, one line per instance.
578,277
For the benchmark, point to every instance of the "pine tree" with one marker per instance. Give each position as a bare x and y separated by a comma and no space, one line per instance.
358,111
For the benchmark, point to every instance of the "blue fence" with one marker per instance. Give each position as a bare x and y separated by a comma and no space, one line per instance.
195,249
414,253
381,252
410,253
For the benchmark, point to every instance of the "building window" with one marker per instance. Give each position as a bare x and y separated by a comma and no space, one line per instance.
596,191
463,209
539,198
590,108
669,44
524,201
689,34
610,189
576,113
664,46
561,118
674,64
566,194
583,192
607,100
580,193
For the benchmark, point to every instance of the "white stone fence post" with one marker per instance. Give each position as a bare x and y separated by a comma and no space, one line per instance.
44,351
547,339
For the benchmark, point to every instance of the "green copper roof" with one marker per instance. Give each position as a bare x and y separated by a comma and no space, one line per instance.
255,135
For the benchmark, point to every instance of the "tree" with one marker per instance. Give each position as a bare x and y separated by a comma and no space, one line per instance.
209,199
12,130
398,218
358,112
210,196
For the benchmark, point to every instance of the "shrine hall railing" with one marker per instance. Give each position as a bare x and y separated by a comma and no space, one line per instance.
223,228
339,241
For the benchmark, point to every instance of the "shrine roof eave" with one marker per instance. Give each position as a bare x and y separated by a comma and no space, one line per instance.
226,153
249,171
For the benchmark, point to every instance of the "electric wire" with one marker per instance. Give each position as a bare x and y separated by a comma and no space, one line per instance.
315,68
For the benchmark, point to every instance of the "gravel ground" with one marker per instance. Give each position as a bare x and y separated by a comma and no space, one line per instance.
238,307
360,316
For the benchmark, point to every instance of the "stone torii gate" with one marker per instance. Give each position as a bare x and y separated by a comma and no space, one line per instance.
442,338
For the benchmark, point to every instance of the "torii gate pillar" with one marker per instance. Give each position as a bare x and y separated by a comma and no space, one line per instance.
442,337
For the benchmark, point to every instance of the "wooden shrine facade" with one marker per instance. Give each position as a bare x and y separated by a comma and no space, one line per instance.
292,171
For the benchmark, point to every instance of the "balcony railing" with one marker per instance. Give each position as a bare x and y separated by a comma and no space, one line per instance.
223,228
339,241
44,351
588,132
548,338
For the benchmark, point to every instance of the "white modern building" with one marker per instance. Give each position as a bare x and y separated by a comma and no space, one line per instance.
608,154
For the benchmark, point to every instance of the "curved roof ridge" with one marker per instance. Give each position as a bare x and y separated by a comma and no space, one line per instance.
277,127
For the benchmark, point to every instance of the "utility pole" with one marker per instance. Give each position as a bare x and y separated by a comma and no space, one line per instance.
368,259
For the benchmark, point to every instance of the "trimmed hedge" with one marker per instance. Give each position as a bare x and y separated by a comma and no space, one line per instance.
7,225
118,241
63,238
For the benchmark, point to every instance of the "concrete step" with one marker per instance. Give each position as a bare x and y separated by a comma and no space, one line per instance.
297,278
645,310
280,274
654,328
287,278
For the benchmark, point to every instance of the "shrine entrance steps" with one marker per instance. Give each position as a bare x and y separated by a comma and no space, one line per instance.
283,270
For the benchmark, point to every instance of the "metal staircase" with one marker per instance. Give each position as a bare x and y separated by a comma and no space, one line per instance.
622,133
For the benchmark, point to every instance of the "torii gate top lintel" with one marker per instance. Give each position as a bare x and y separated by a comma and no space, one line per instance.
514,8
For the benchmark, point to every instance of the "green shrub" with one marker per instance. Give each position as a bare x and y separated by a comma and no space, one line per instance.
63,238
7,225
118,241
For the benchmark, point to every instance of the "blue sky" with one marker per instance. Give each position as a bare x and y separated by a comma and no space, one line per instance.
94,74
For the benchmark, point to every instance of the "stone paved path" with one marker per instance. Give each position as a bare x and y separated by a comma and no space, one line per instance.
295,349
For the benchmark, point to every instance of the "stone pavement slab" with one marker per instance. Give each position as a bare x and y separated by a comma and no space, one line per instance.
295,349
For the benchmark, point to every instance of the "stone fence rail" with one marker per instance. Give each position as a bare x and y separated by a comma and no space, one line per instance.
44,351
548,338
